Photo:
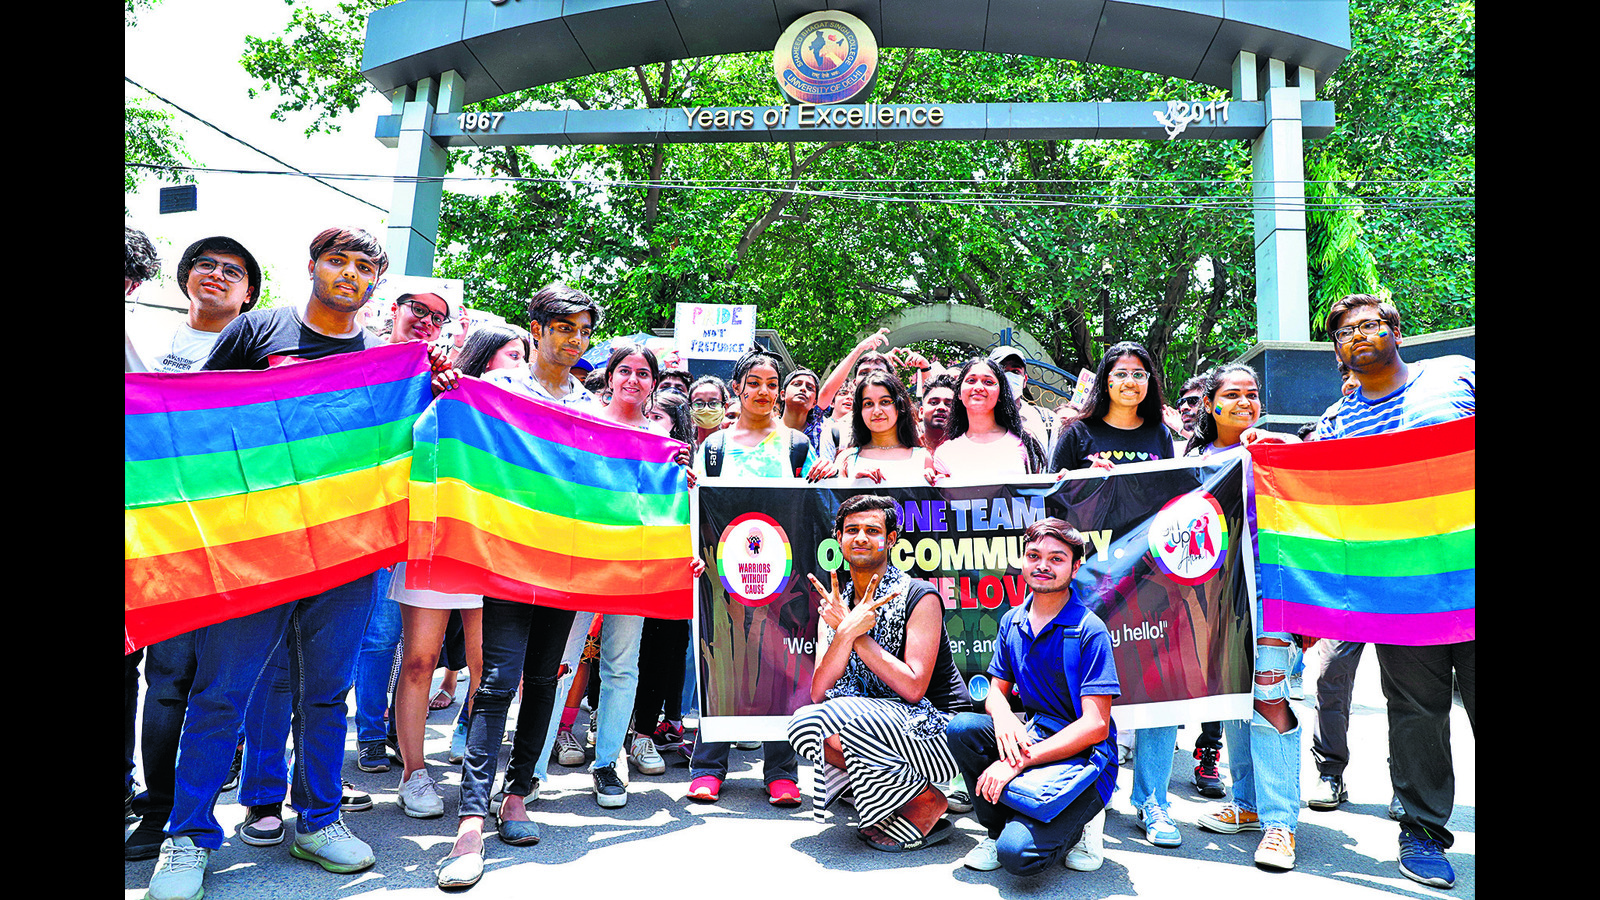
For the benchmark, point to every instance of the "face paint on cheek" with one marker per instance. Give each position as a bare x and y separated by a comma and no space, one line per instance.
1219,410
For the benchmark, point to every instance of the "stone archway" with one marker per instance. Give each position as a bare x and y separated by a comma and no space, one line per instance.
985,329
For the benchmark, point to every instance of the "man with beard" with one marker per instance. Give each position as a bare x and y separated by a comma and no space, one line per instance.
1417,681
933,412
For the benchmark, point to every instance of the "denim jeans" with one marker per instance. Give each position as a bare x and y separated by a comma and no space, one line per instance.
1265,764
1152,765
323,633
1024,844
376,659
1416,686
691,666
618,671
521,642
264,776
168,674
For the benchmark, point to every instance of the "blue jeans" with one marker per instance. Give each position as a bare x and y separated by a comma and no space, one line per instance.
1025,845
691,669
264,775
1265,764
1152,765
521,643
618,671
323,633
375,660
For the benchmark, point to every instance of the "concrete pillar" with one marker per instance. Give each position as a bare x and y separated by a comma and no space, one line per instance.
413,231
1277,175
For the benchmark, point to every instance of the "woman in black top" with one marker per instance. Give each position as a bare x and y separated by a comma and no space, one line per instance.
1123,423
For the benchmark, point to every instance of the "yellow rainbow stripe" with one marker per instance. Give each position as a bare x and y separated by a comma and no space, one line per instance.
545,531
1443,514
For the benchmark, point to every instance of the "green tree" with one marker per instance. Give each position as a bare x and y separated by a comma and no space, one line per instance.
1084,243
149,137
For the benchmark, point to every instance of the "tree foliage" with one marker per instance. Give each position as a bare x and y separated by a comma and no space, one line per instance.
1083,243
148,136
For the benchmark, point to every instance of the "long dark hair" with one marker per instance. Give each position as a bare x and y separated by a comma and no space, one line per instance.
676,408
1005,412
483,343
905,426
1205,424
622,351
1098,403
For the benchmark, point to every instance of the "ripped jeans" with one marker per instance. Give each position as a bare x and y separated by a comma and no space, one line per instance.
1265,764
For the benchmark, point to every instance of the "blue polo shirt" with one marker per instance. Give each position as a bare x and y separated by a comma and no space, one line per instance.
1036,665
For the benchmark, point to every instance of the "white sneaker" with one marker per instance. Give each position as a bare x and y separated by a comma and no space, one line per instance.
1089,852
419,796
180,872
985,857
645,757
334,848
568,751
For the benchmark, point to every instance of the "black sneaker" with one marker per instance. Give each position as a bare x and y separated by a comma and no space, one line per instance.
257,835
372,757
233,773
609,791
144,842
1206,778
128,815
354,799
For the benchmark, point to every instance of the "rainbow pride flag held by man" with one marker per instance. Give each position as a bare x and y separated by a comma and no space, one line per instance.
1371,538
522,499
244,490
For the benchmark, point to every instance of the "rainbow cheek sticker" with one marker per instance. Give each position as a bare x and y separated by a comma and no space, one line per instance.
754,559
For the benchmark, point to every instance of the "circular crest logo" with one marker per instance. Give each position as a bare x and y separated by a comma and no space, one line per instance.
825,57
754,560
1189,537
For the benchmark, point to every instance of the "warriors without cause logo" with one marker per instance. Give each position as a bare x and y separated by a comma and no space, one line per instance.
1189,537
754,560
825,57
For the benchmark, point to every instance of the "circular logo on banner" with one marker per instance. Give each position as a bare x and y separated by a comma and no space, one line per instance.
754,559
1189,537
825,57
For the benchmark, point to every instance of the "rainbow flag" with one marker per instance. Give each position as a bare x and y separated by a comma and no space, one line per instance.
522,499
1371,538
243,490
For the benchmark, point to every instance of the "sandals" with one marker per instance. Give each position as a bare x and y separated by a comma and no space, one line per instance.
441,700
941,830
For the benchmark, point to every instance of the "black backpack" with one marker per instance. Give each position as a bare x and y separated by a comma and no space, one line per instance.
799,444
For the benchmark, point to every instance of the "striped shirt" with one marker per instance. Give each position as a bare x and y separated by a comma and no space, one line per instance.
1439,390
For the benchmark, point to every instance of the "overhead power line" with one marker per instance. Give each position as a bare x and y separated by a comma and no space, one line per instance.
986,193
246,143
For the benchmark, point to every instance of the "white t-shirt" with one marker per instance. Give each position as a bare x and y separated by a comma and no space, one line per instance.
164,343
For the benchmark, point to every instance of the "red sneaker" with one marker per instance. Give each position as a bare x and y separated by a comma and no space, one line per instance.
783,792
705,789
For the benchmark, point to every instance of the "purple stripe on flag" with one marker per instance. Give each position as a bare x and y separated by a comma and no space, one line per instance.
559,425
1408,629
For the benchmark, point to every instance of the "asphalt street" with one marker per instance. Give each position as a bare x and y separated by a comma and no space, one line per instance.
663,846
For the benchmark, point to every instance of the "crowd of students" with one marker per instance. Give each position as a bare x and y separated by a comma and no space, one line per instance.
891,726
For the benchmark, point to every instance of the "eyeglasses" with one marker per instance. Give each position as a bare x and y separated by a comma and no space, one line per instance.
1189,401
1138,375
1348,333
707,404
231,273
421,311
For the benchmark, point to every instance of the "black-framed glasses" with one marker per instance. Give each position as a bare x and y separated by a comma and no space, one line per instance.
1369,328
707,404
421,311
231,273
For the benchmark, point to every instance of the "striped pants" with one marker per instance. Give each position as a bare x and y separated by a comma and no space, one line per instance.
886,764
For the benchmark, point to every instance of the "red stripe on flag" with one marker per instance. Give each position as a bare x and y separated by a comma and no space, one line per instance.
1392,448
454,576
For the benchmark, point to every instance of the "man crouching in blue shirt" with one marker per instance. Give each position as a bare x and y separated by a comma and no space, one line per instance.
1038,781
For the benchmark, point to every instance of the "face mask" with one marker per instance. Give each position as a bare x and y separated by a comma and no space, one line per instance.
1016,380
708,418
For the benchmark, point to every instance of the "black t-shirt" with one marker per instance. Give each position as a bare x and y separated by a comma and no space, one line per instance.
1088,438
946,689
262,338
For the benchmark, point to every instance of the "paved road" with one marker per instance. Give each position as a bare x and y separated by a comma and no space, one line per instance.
662,847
